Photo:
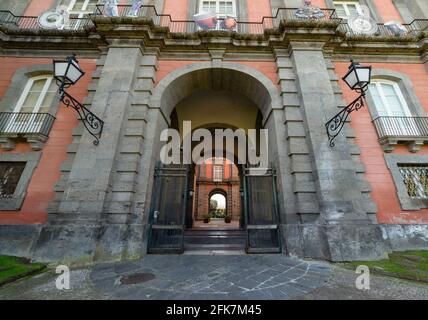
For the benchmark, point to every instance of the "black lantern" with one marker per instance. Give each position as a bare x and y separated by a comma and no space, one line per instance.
358,77
67,72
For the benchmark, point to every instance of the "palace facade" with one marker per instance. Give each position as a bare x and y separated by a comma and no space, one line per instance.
221,64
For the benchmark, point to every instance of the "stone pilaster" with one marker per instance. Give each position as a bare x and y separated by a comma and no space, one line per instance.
340,191
301,203
77,228
90,174
333,167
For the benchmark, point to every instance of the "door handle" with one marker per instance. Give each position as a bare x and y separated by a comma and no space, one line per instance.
155,216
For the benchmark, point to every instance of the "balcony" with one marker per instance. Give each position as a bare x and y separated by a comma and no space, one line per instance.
413,29
12,22
287,16
412,131
148,12
243,27
17,126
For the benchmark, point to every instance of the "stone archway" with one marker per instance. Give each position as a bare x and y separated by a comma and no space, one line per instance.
230,77
219,194
184,81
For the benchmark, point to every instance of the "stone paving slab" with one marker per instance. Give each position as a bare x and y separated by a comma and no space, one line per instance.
185,277
214,277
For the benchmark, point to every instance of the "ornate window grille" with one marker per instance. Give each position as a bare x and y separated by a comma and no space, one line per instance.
10,173
416,180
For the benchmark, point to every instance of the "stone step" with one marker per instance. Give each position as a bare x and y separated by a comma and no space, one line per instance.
214,239
214,232
210,252
205,247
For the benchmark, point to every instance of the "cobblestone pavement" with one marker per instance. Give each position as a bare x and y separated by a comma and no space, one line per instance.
341,285
258,277
214,277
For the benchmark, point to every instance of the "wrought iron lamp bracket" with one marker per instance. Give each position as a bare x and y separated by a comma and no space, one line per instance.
335,125
92,123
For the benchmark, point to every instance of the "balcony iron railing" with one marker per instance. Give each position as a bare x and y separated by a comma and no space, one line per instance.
413,29
288,15
9,20
18,123
402,128
189,26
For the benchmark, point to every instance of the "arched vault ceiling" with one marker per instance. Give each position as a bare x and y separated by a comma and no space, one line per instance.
207,107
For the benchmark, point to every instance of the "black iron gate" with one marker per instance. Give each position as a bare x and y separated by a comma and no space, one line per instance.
261,211
168,209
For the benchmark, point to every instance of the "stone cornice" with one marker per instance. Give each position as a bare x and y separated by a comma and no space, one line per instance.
41,40
126,31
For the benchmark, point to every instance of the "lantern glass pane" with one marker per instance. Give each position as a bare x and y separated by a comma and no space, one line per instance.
74,73
60,68
363,75
351,79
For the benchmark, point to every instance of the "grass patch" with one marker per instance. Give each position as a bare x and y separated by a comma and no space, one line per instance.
409,265
13,268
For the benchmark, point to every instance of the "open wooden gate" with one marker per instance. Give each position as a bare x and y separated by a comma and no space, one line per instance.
168,209
261,211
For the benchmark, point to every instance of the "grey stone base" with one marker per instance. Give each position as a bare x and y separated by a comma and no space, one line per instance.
335,242
402,237
67,243
120,242
82,244
18,240
353,242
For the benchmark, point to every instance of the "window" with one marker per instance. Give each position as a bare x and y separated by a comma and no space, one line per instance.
345,9
80,8
38,95
10,174
393,113
217,173
221,8
36,98
416,180
388,98
28,107
397,113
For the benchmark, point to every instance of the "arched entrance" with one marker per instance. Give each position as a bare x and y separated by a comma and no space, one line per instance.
217,200
213,99
218,204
